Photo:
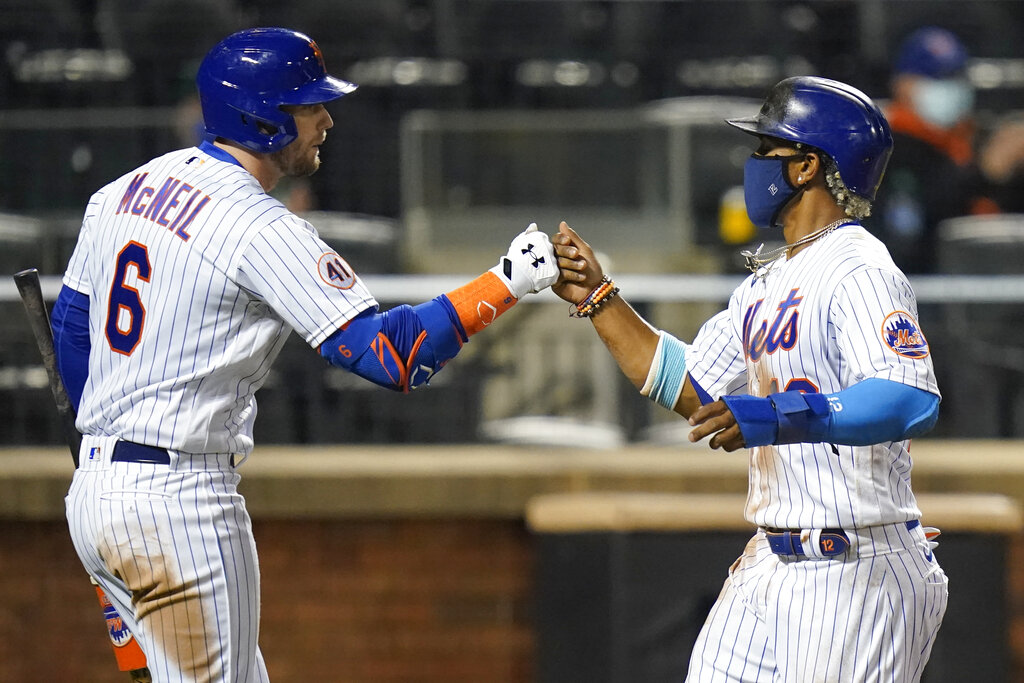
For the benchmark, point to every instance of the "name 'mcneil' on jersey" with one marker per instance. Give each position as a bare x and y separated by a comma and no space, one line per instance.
170,206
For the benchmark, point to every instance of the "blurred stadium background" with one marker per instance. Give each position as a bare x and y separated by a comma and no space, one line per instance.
394,530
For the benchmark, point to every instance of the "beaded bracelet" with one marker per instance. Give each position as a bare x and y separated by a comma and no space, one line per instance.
600,295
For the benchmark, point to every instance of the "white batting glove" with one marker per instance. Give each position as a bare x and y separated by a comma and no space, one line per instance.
530,264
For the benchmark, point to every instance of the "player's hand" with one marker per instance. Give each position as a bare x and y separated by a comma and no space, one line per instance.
530,264
716,419
579,270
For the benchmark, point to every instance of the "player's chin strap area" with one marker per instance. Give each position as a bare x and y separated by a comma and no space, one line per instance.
869,412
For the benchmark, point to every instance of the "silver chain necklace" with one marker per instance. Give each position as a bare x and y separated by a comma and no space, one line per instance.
755,260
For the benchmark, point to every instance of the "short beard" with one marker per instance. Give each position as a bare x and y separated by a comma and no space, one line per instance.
293,164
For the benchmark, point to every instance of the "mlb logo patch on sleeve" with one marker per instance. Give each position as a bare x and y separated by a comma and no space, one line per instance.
902,334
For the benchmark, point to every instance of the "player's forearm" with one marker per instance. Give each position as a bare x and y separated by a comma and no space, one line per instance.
478,302
653,360
630,339
403,347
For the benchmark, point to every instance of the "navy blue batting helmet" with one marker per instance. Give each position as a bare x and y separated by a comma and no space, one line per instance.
246,78
833,117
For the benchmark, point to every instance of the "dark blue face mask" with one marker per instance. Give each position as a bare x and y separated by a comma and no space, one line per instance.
766,188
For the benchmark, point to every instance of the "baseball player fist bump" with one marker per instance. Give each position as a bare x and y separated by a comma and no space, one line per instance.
581,271
530,264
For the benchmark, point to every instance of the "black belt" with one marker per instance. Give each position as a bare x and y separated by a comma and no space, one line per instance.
126,451
830,541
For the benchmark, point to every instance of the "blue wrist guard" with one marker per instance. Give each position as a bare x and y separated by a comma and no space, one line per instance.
869,412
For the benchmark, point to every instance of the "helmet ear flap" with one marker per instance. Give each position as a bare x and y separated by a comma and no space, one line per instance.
275,134
256,126
284,134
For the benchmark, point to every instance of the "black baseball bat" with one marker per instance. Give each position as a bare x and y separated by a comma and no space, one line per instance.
35,306
39,319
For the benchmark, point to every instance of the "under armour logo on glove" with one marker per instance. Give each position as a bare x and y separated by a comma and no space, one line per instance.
537,260
530,264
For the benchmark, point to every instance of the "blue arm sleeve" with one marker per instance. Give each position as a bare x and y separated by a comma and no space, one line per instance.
70,323
401,348
869,412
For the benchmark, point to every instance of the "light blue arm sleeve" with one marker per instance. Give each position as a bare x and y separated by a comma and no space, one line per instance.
667,374
869,412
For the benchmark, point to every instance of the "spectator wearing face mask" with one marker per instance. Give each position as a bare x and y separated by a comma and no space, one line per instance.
932,175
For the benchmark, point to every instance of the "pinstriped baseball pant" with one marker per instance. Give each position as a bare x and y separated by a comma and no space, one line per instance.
870,616
172,546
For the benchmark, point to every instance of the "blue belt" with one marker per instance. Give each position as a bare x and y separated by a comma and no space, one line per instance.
126,451
830,541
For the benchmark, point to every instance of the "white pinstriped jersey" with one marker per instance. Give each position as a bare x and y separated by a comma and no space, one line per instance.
837,313
195,277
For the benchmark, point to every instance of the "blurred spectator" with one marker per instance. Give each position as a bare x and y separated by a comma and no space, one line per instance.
1002,162
932,175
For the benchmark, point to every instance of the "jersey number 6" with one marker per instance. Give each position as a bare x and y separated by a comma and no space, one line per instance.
125,313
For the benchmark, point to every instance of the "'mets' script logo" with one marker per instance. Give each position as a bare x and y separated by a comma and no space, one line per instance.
765,337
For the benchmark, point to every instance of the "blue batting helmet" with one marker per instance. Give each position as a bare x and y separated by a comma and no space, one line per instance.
246,78
833,117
